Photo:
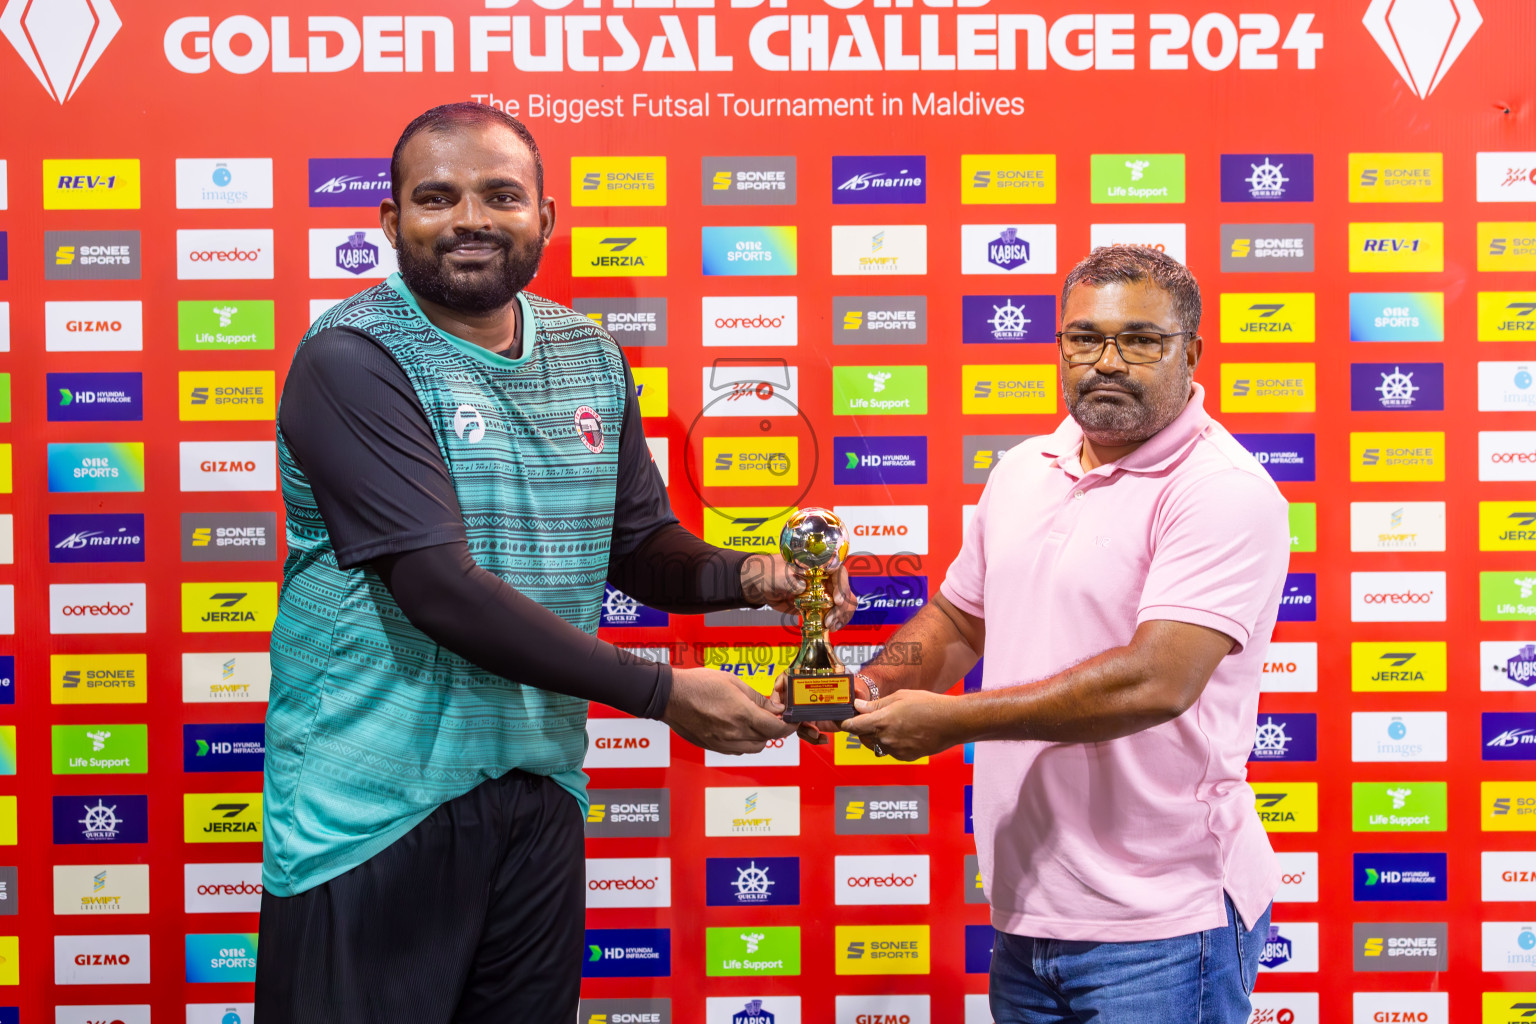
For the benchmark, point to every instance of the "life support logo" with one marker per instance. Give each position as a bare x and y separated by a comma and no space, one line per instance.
467,420
590,426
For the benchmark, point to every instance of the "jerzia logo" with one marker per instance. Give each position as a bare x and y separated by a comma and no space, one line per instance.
60,43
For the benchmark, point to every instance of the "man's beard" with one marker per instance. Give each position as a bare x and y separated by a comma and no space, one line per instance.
1134,417
475,290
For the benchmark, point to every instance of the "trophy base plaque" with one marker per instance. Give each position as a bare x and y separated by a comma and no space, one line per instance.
819,698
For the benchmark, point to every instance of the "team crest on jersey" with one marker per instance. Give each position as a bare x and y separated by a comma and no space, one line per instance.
590,424
468,421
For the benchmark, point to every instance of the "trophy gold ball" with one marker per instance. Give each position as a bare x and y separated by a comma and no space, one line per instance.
819,687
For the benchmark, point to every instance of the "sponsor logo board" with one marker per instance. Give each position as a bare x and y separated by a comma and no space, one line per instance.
1400,946
882,949
224,254
1268,317
1396,247
618,181
881,880
1399,876
1285,457
1400,806
1396,178
760,321
222,817
1266,177
101,960
751,881
98,678
228,465
348,181
242,607
752,810
881,810
227,395
628,813
867,180
1267,248
96,608
748,181
880,320
228,537
110,537
861,250
629,882
223,888
1397,526
350,254
1008,248
91,184
632,322
93,326
1289,667
1396,316
1396,387
101,890
1007,178
628,743
242,184
216,678
95,397
99,819
749,251
1398,666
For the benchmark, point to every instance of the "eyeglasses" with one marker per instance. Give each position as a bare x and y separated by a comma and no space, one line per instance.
1134,346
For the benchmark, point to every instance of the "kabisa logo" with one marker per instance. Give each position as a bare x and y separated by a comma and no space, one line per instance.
100,819
100,749
1008,250
221,817
112,537
350,253
619,252
1008,319
1286,457
1266,177
361,181
1515,664
60,45
755,882
627,953
748,181
754,1013
357,255
879,179
880,460
1291,737
1421,46
1277,949
1396,387
1397,316
232,747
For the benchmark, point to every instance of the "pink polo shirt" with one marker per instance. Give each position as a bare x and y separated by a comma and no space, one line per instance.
1134,838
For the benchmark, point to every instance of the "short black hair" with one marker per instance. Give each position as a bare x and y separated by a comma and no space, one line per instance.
449,116
1131,263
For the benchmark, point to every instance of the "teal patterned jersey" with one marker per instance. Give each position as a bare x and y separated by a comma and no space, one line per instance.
371,724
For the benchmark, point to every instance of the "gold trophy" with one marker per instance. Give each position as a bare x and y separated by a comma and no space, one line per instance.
818,687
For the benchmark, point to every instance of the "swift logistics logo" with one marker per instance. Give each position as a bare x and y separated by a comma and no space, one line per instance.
223,677
882,949
225,325
1008,249
867,180
90,468
618,181
1399,806
619,252
1269,387
60,45
1376,456
1396,178
748,181
1421,45
1287,806
1269,317
98,678
1286,457
96,537
627,953
93,326
1396,316
100,890
1398,666
879,320
232,747
357,181
1506,246
91,255
1008,319
1012,389
226,395
1136,177
1396,387
1007,178
222,817
749,251
752,810
631,322
91,184
245,607
875,250
95,397
1267,248
1396,247
752,882
99,819
1266,177
881,460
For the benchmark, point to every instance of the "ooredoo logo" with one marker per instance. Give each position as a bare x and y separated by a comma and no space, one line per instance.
96,608
628,743
756,321
232,888
222,255
629,882
1397,596
874,880
60,43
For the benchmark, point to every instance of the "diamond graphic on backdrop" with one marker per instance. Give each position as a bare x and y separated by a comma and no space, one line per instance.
1422,38
60,40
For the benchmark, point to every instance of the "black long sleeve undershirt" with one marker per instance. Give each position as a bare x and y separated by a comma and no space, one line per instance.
352,420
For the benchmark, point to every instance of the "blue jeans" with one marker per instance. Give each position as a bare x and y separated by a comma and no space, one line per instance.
1200,978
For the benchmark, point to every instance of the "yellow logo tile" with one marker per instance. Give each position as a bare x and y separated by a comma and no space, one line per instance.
227,395
90,184
1397,247
1009,388
1396,456
1506,245
1268,317
249,606
651,390
618,181
1397,666
1506,526
1506,316
222,817
1509,806
1396,178
98,678
619,252
745,527
751,461
882,949
993,178
1286,806
1268,387
846,749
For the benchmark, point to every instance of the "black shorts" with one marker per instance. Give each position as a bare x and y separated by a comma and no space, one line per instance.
475,915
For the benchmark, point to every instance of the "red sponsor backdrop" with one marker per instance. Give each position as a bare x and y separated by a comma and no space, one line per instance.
1260,86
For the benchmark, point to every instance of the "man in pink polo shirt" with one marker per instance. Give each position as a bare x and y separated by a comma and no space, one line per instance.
1122,576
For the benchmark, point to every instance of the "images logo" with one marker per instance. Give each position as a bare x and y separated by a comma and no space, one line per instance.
882,949
100,819
1398,666
1396,456
1266,248
1420,46
110,537
1268,317
224,184
618,181
1401,736
1397,247
1287,806
235,747
749,252
879,251
630,322
91,255
1268,387
1396,387
879,390
754,882
222,817
1008,249
1266,177
1506,246
868,459
348,182
1399,806
59,45
1007,178
879,179
619,252
1137,177
1396,178
227,395
248,607
1008,388
879,319
1008,319
627,953
1505,387
748,181
98,678
90,184
1397,316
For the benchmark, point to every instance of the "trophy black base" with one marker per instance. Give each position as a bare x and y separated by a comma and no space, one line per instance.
819,698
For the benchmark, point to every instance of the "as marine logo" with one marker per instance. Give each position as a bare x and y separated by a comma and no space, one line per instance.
590,426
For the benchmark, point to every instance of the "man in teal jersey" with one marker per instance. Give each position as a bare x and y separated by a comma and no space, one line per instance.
464,470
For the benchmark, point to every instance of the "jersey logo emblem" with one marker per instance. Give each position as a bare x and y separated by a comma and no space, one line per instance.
590,424
468,418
